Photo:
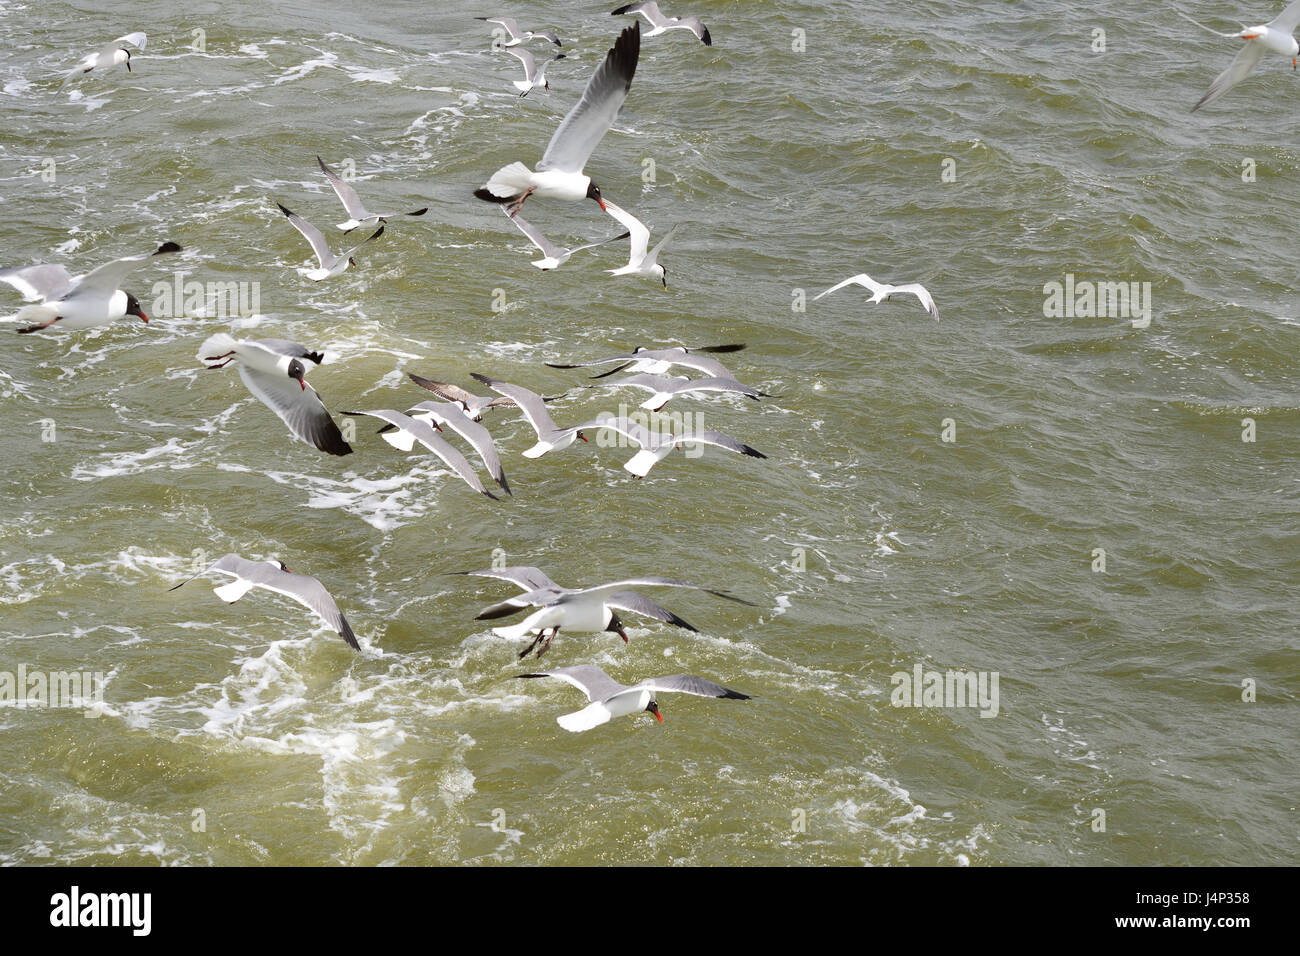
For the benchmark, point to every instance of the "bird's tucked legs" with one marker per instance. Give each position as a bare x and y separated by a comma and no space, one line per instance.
37,328
518,204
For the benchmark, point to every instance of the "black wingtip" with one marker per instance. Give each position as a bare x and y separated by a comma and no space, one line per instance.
734,347
734,695
347,635
754,452
167,247
419,212
708,40
175,586
612,371
283,208
488,196
479,377
526,676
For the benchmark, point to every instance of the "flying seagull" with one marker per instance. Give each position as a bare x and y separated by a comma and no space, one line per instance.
663,389
274,372
549,437
655,448
662,24
610,699
658,361
559,175
554,256
78,303
534,75
330,264
881,291
274,576
358,215
111,55
474,405
518,36
457,417
639,261
424,433
1276,35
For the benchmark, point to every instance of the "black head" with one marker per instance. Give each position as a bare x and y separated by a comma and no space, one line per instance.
593,192
663,275
584,438
353,262
133,307
653,708
128,58
296,372
615,626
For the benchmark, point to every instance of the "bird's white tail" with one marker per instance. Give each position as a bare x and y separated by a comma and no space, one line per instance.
218,344
593,715
399,439
641,463
509,180
232,592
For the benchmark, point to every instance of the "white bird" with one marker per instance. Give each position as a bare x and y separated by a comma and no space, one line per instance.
457,417
330,264
271,368
274,576
534,75
881,291
559,175
610,699
555,256
662,24
423,432
654,449
658,361
78,303
518,36
474,405
591,609
111,55
533,406
1276,35
662,389
639,261
358,215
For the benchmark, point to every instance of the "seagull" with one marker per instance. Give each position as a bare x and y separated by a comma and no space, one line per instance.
474,405
330,264
534,75
111,55
456,416
423,433
555,256
274,576
78,303
882,291
656,449
662,24
518,36
664,388
640,262
1276,35
269,367
559,175
358,215
578,609
611,699
658,361
549,437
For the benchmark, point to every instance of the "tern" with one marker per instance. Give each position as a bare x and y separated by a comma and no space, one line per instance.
518,36
111,55
654,449
559,175
533,406
330,264
555,256
78,303
358,215
881,291
662,24
663,389
1276,35
273,370
423,432
640,262
610,699
534,75
457,417
658,361
274,576
591,609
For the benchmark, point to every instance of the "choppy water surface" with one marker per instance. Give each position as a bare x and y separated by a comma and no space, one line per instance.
1119,690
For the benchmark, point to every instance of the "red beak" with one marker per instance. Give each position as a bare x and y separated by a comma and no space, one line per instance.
602,205
659,717
302,385
143,317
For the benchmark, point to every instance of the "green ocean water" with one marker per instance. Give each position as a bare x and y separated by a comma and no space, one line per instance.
983,149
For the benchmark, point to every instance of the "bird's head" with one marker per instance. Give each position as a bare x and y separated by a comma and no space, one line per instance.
663,275
584,438
653,707
352,261
133,307
593,192
297,373
128,59
615,626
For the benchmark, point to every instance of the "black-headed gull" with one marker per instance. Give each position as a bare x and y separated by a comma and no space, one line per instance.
330,264
475,405
78,303
274,576
658,361
457,417
533,406
274,371
664,388
111,55
1276,35
559,175
424,433
554,256
517,35
641,261
655,448
881,291
610,699
534,75
358,214
662,24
